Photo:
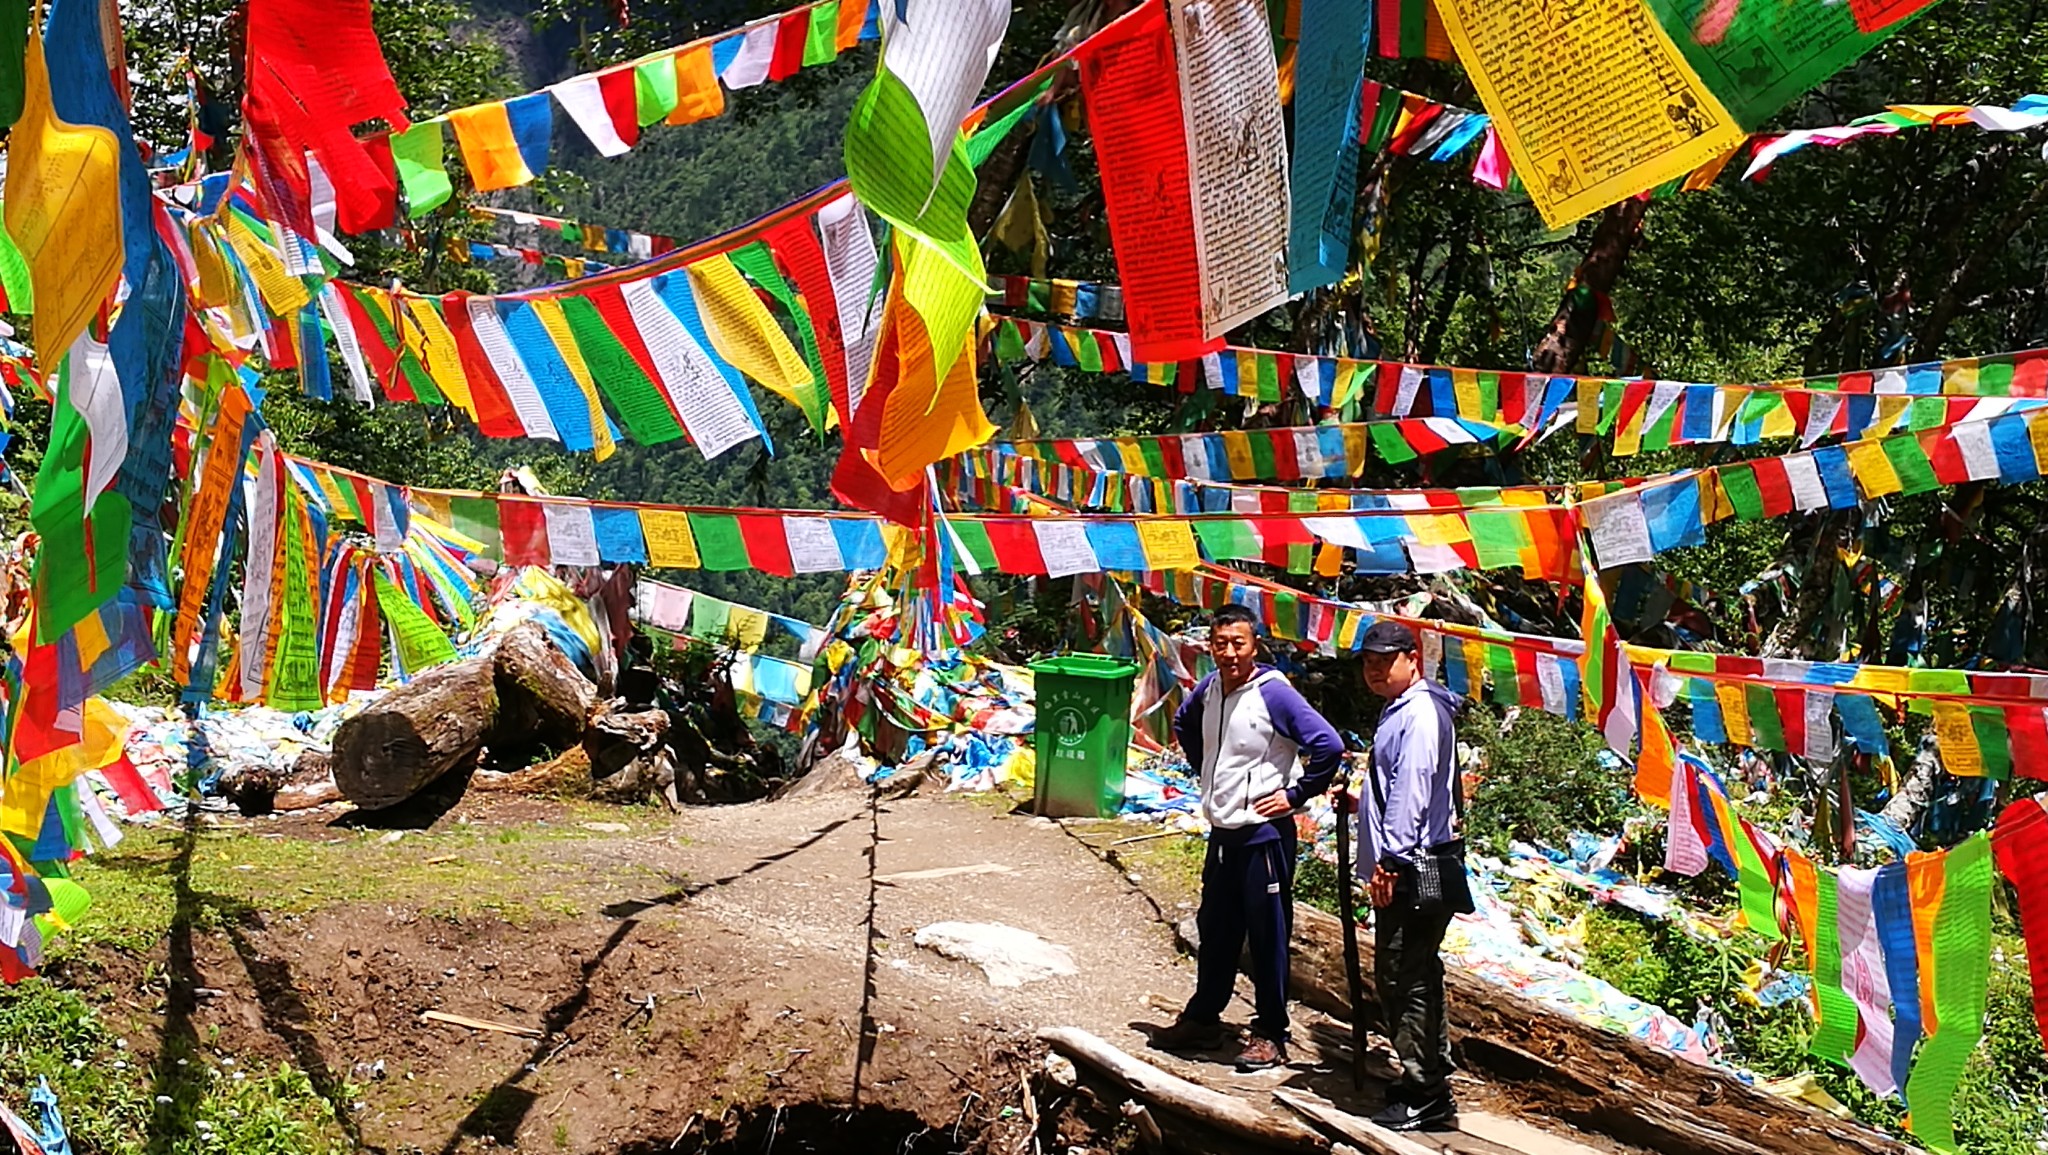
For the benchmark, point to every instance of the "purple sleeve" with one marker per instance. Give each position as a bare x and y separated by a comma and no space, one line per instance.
1187,724
1297,721
1417,750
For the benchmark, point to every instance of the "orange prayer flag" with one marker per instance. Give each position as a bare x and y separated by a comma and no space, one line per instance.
698,96
489,150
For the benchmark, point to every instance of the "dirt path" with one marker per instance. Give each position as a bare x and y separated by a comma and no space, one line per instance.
700,977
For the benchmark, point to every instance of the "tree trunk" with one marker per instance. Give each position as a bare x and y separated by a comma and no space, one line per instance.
416,733
1916,793
1563,346
1605,1082
1950,301
543,699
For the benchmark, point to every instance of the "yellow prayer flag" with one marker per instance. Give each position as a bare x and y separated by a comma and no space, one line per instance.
284,293
1169,543
745,333
1959,377
1873,469
1355,448
1589,404
1609,74
549,311
747,626
1465,387
438,352
27,798
1734,711
1889,407
1778,420
1237,451
1957,740
63,211
670,544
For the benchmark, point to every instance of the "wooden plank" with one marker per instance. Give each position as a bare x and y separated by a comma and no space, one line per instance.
1225,1113
1369,1136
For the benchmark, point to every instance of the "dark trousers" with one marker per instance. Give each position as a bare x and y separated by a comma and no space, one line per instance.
1410,974
1247,892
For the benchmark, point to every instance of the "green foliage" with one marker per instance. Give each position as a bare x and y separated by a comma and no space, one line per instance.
1542,779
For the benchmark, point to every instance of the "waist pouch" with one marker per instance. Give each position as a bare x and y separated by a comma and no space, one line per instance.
1436,880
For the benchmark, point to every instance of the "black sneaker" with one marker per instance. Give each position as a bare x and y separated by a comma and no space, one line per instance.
1192,1035
1437,1113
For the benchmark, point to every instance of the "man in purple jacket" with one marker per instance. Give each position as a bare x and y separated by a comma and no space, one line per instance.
1413,860
1245,728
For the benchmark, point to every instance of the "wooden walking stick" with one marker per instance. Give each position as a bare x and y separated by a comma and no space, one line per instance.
1347,911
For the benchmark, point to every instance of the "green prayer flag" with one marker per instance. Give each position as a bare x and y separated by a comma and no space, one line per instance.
14,276
821,38
1227,539
1909,461
982,144
13,54
719,543
1961,968
83,559
1269,377
1009,342
417,153
1739,483
1299,557
1927,413
1497,537
639,403
1994,743
1390,445
418,643
973,538
1500,666
1834,1036
1769,54
293,680
1610,405
477,517
1038,296
1087,354
1766,729
1994,376
415,373
708,618
654,88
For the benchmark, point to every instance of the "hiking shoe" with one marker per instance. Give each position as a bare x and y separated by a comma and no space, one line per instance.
1261,1053
1436,1113
1192,1035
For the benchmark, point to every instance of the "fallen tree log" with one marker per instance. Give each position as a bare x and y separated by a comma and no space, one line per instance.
1598,1080
1227,1114
518,697
1365,1133
416,733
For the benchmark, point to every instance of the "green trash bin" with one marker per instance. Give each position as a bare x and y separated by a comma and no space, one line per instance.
1083,732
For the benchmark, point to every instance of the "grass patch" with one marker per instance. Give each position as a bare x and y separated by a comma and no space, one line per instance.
458,872
115,1102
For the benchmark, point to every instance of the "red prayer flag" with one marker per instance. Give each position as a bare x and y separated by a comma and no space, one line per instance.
1141,147
2026,729
1774,486
767,544
1944,455
621,91
495,416
316,70
1878,15
1015,546
2030,373
134,793
796,247
790,35
2020,844
523,523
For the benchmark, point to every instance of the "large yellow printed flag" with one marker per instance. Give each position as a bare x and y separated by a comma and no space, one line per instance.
63,209
1593,101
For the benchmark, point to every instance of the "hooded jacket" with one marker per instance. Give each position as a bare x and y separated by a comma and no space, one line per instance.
1249,743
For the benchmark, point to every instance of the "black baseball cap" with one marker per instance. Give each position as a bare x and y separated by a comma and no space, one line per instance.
1385,637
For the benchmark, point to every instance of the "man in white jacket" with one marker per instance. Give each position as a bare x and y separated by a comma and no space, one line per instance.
1245,729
